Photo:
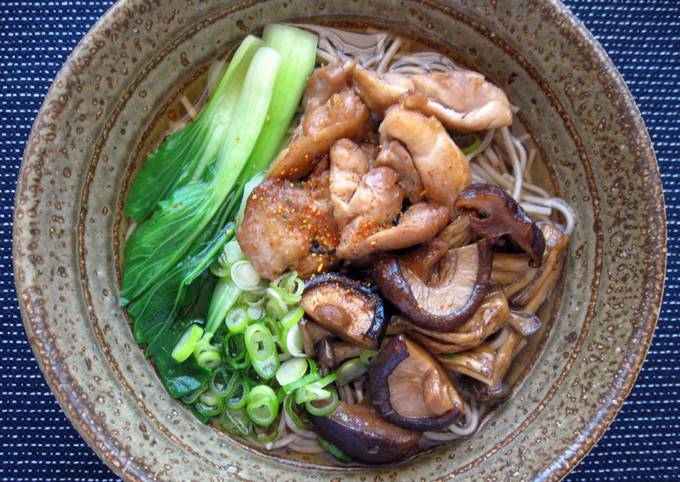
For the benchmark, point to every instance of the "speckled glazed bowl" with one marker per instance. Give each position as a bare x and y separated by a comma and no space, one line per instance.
118,88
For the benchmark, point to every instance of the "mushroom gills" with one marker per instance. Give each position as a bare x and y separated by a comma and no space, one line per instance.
346,308
362,434
493,213
411,389
436,287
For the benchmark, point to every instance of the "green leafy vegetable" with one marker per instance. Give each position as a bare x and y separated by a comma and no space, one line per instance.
161,241
184,155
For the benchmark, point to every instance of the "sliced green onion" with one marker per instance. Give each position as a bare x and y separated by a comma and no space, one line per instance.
235,422
334,450
209,404
290,283
285,296
476,144
187,344
367,357
293,342
275,306
267,368
315,390
224,296
223,381
193,396
232,252
291,371
253,299
324,407
208,356
306,380
237,398
350,370
244,276
262,405
237,320
259,342
234,347
255,312
292,318
288,403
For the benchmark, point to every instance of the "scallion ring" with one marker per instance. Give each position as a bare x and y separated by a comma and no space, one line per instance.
244,276
208,356
350,370
237,319
367,357
324,406
262,405
237,397
291,371
187,343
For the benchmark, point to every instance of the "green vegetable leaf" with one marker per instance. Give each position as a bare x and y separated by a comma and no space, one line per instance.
186,154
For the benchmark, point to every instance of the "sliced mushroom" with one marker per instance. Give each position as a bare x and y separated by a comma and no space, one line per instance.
395,156
333,353
458,233
346,308
312,334
380,91
492,315
437,287
494,214
525,323
343,115
461,99
526,287
485,363
442,166
365,436
411,389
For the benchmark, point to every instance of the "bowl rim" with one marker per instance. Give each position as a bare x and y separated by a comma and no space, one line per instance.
132,471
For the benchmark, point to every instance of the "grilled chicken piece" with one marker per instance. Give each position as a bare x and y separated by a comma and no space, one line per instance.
367,203
288,226
326,81
376,203
380,91
442,166
461,99
349,164
342,115
419,223
394,155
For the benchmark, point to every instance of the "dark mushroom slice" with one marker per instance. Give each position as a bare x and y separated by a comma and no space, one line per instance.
346,308
365,436
492,315
312,334
333,353
490,395
526,287
494,214
436,287
411,389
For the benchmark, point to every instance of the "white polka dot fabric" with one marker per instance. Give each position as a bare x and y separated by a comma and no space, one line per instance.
37,441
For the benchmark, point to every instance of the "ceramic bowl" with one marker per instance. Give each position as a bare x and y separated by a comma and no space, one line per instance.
119,89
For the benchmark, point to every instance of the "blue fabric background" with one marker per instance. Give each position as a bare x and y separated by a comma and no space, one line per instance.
37,443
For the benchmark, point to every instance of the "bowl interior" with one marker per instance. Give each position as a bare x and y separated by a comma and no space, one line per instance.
113,102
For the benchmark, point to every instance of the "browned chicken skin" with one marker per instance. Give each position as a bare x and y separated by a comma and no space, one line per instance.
380,91
394,155
288,226
442,166
326,81
461,99
343,115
